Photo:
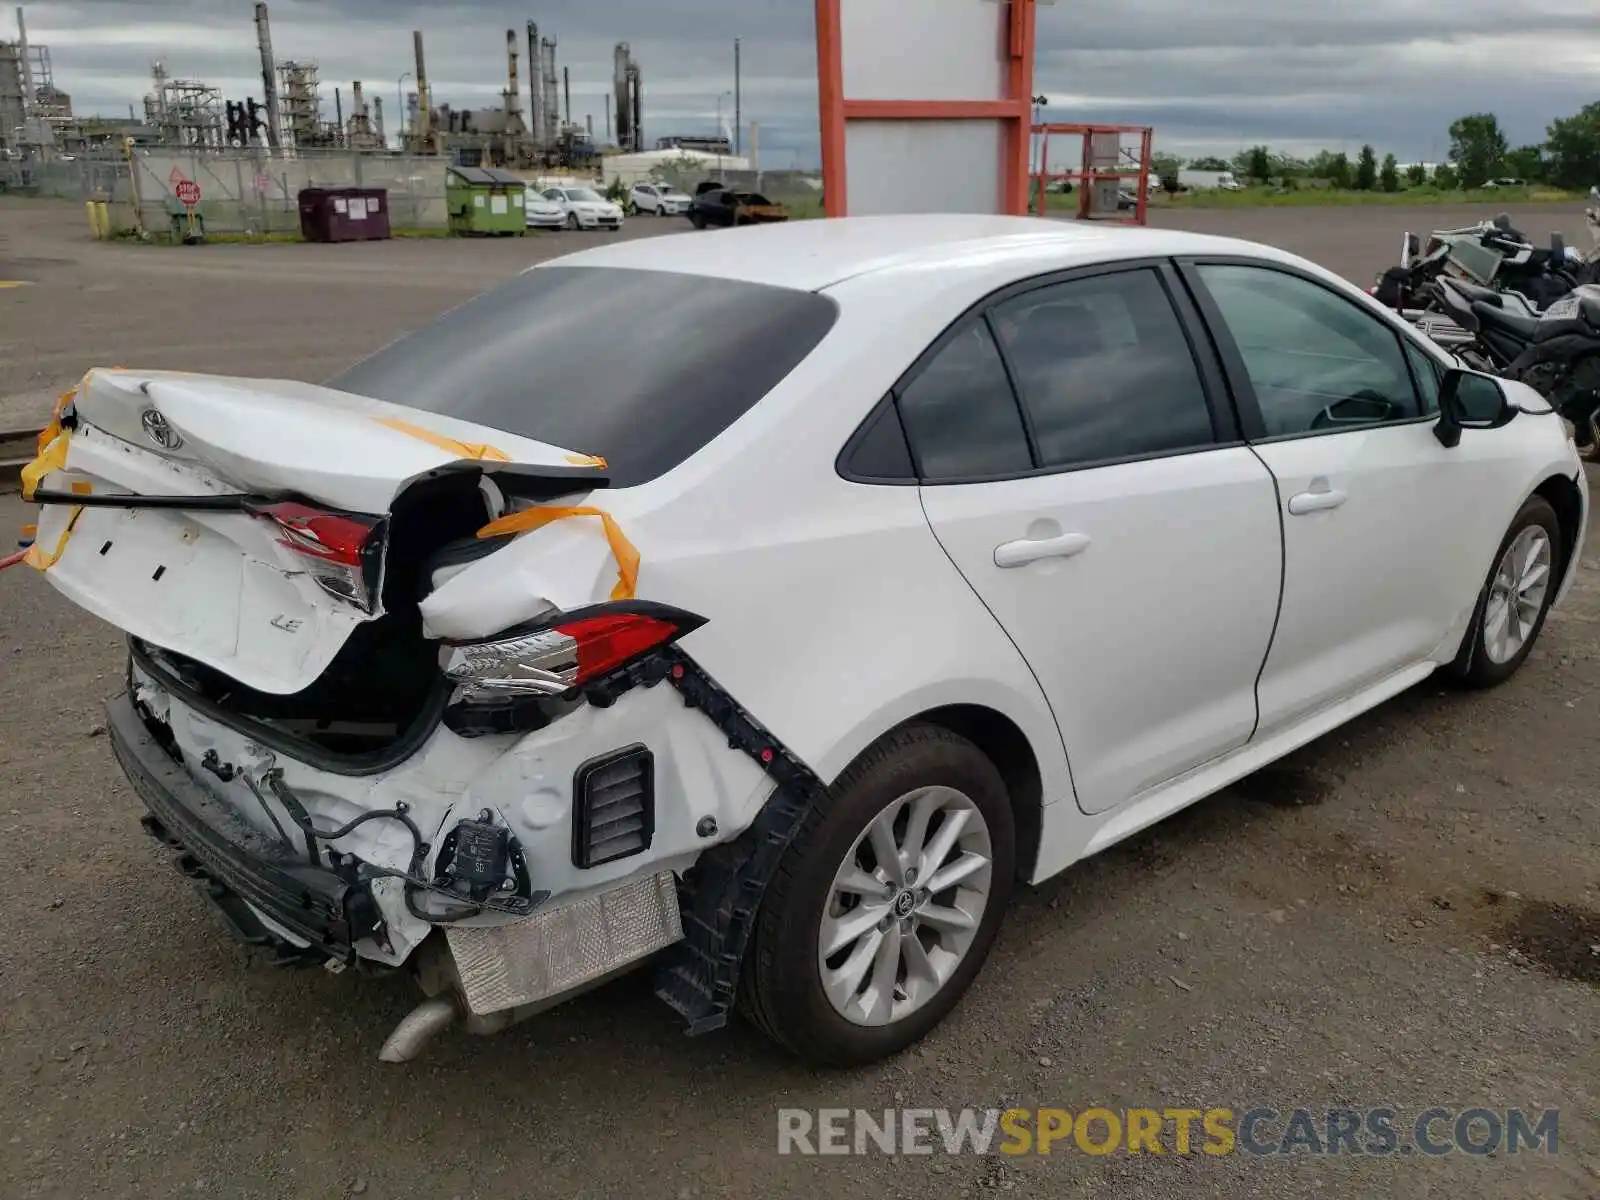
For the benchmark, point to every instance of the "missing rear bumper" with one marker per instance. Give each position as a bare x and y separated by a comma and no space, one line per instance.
305,914
557,952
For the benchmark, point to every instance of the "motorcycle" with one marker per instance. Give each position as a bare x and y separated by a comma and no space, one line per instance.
1494,258
1491,254
1556,352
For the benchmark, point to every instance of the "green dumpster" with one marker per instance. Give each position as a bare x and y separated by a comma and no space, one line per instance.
183,229
484,200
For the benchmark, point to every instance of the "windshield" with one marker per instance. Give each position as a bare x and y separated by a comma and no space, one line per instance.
642,368
583,194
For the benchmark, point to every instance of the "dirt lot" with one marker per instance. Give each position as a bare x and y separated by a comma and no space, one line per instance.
1406,913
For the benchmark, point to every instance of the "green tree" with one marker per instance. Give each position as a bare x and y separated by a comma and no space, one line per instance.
1253,164
1416,175
1572,148
1211,164
1339,170
1477,148
1287,167
1445,178
1367,169
1389,174
1165,167
1526,163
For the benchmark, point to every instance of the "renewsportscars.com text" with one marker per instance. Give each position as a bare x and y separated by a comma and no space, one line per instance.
1258,1131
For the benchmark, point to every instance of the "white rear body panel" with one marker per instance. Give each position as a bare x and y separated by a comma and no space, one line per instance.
221,587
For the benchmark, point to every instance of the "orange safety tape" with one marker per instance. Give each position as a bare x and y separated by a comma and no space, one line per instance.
473,450
622,549
51,457
48,433
587,460
38,559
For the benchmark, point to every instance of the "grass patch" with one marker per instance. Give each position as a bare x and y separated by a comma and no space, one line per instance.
275,238
1266,197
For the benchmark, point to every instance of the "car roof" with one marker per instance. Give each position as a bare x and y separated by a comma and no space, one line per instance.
812,255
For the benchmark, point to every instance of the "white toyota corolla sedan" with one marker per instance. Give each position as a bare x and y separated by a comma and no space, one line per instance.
888,564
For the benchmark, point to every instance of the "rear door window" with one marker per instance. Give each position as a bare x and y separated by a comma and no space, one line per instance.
961,415
642,368
1105,370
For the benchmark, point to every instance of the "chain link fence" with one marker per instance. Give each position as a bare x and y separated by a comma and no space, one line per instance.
252,193
239,192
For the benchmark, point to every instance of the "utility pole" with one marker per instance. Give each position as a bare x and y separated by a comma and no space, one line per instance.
738,135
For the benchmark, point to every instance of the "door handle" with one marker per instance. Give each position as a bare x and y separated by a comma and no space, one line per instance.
1027,550
1312,502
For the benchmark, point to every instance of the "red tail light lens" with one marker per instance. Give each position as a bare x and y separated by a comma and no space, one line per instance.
573,651
604,643
332,537
347,549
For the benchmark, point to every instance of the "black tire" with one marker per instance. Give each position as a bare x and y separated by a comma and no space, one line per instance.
1472,666
572,222
780,983
697,220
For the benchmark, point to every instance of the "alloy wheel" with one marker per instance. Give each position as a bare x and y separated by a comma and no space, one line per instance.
1517,594
905,905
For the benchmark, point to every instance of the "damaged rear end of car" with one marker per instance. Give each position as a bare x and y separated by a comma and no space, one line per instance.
392,697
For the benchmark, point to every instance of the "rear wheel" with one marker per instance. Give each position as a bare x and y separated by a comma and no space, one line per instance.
1515,599
886,904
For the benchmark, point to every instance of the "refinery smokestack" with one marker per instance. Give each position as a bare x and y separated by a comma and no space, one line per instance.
27,70
424,114
535,125
513,102
269,75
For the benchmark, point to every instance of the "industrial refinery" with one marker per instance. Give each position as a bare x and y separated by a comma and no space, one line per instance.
297,111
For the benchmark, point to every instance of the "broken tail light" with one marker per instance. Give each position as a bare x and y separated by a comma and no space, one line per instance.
343,552
562,656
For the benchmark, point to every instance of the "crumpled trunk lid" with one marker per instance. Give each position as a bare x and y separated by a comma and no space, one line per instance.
254,594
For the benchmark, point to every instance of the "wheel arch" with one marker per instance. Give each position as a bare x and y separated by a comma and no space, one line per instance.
1563,496
1007,747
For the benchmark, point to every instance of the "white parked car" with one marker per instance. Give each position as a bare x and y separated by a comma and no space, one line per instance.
659,199
585,208
887,564
542,213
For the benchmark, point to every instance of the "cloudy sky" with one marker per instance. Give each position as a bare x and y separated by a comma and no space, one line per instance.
1210,75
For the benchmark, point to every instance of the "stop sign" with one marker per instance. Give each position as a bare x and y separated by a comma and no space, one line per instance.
188,193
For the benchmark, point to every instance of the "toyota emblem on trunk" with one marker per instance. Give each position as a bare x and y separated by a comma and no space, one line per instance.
159,431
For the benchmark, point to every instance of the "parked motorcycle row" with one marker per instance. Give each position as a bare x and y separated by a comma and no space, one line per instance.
1503,305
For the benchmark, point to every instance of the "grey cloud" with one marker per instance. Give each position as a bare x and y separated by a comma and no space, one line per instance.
1211,76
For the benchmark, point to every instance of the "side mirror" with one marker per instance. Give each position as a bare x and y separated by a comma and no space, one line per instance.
1468,400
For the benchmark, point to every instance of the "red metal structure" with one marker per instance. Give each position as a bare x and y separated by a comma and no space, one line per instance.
1015,108
1089,174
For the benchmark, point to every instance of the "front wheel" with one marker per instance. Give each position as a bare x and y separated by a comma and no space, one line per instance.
886,904
572,222
1515,599
697,220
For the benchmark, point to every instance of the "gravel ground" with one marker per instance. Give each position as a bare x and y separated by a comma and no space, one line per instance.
1405,913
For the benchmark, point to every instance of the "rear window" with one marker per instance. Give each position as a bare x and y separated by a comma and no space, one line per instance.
640,367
